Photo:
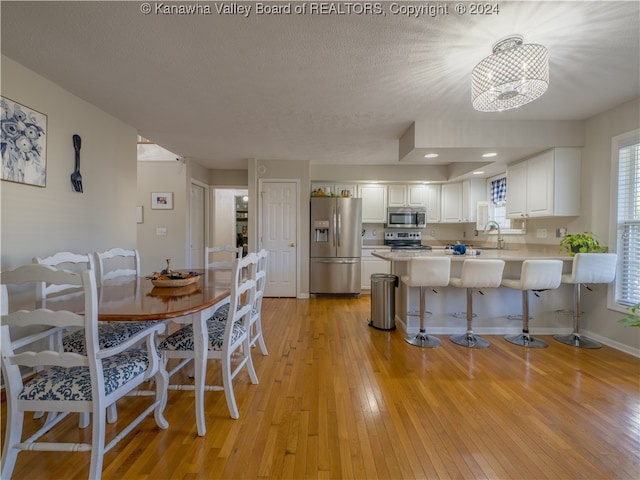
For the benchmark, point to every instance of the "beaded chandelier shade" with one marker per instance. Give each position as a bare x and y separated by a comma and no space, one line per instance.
514,75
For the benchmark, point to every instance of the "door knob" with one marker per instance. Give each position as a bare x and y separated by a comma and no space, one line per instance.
292,244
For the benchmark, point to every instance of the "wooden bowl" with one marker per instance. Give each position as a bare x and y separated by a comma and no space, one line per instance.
165,281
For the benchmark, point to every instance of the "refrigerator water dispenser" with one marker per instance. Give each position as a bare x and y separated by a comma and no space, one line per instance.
321,231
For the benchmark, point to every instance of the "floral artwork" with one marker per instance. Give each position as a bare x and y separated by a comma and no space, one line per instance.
23,144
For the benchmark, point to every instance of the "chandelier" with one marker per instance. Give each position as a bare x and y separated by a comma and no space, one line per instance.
514,75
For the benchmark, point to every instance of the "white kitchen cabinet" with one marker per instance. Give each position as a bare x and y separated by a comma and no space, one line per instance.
547,185
432,196
451,206
460,200
474,190
406,196
415,195
397,195
517,190
371,265
374,203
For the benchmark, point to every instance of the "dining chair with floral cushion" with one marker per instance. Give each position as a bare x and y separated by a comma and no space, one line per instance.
227,342
109,266
255,329
70,382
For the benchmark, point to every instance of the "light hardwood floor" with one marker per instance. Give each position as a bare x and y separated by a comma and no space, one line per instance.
340,400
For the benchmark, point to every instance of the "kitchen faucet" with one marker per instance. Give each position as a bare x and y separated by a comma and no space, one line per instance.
493,225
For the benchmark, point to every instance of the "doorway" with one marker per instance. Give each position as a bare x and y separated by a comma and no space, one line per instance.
225,210
242,222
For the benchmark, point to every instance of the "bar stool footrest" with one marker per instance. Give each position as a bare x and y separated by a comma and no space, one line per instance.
463,315
577,341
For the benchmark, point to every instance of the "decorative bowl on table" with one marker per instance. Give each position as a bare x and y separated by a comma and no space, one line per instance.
173,279
174,293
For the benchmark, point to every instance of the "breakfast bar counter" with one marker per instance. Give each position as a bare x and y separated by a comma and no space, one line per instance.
494,308
518,255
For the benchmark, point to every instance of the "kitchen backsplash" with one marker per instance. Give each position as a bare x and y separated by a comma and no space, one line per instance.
540,231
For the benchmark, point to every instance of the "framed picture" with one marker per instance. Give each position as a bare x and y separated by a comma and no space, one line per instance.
139,214
24,144
162,201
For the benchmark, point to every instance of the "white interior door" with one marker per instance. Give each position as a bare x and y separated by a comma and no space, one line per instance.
197,224
279,217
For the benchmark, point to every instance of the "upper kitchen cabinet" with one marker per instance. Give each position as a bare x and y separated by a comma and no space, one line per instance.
547,185
459,200
474,190
432,197
451,203
406,196
374,203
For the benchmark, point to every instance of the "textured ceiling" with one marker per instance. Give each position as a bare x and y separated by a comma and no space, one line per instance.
329,89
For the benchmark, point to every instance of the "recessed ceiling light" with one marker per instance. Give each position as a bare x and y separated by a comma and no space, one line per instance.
478,173
431,155
488,155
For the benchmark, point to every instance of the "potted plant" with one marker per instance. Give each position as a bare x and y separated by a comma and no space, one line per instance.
580,243
632,320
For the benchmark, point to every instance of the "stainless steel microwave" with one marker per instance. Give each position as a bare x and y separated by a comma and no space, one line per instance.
406,217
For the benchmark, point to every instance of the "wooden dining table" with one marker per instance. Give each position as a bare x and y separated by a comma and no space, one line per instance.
132,298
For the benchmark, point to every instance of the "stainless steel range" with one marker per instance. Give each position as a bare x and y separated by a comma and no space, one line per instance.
404,240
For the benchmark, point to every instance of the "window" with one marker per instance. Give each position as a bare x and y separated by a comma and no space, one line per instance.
498,203
626,157
496,208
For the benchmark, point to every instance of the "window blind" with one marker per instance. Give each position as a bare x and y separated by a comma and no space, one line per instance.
628,225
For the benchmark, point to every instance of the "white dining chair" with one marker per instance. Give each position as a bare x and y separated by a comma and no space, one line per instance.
116,262
221,256
61,260
255,328
227,342
108,265
70,382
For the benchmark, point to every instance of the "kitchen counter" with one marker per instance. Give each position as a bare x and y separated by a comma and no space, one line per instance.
506,255
494,307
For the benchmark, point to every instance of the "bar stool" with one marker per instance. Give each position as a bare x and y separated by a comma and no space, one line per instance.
586,268
535,275
476,273
426,272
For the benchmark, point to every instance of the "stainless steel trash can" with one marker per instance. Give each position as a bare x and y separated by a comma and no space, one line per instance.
383,301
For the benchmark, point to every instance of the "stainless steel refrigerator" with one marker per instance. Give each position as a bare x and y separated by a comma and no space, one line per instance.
336,230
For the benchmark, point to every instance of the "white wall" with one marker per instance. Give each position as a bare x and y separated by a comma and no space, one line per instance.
155,249
41,221
596,211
